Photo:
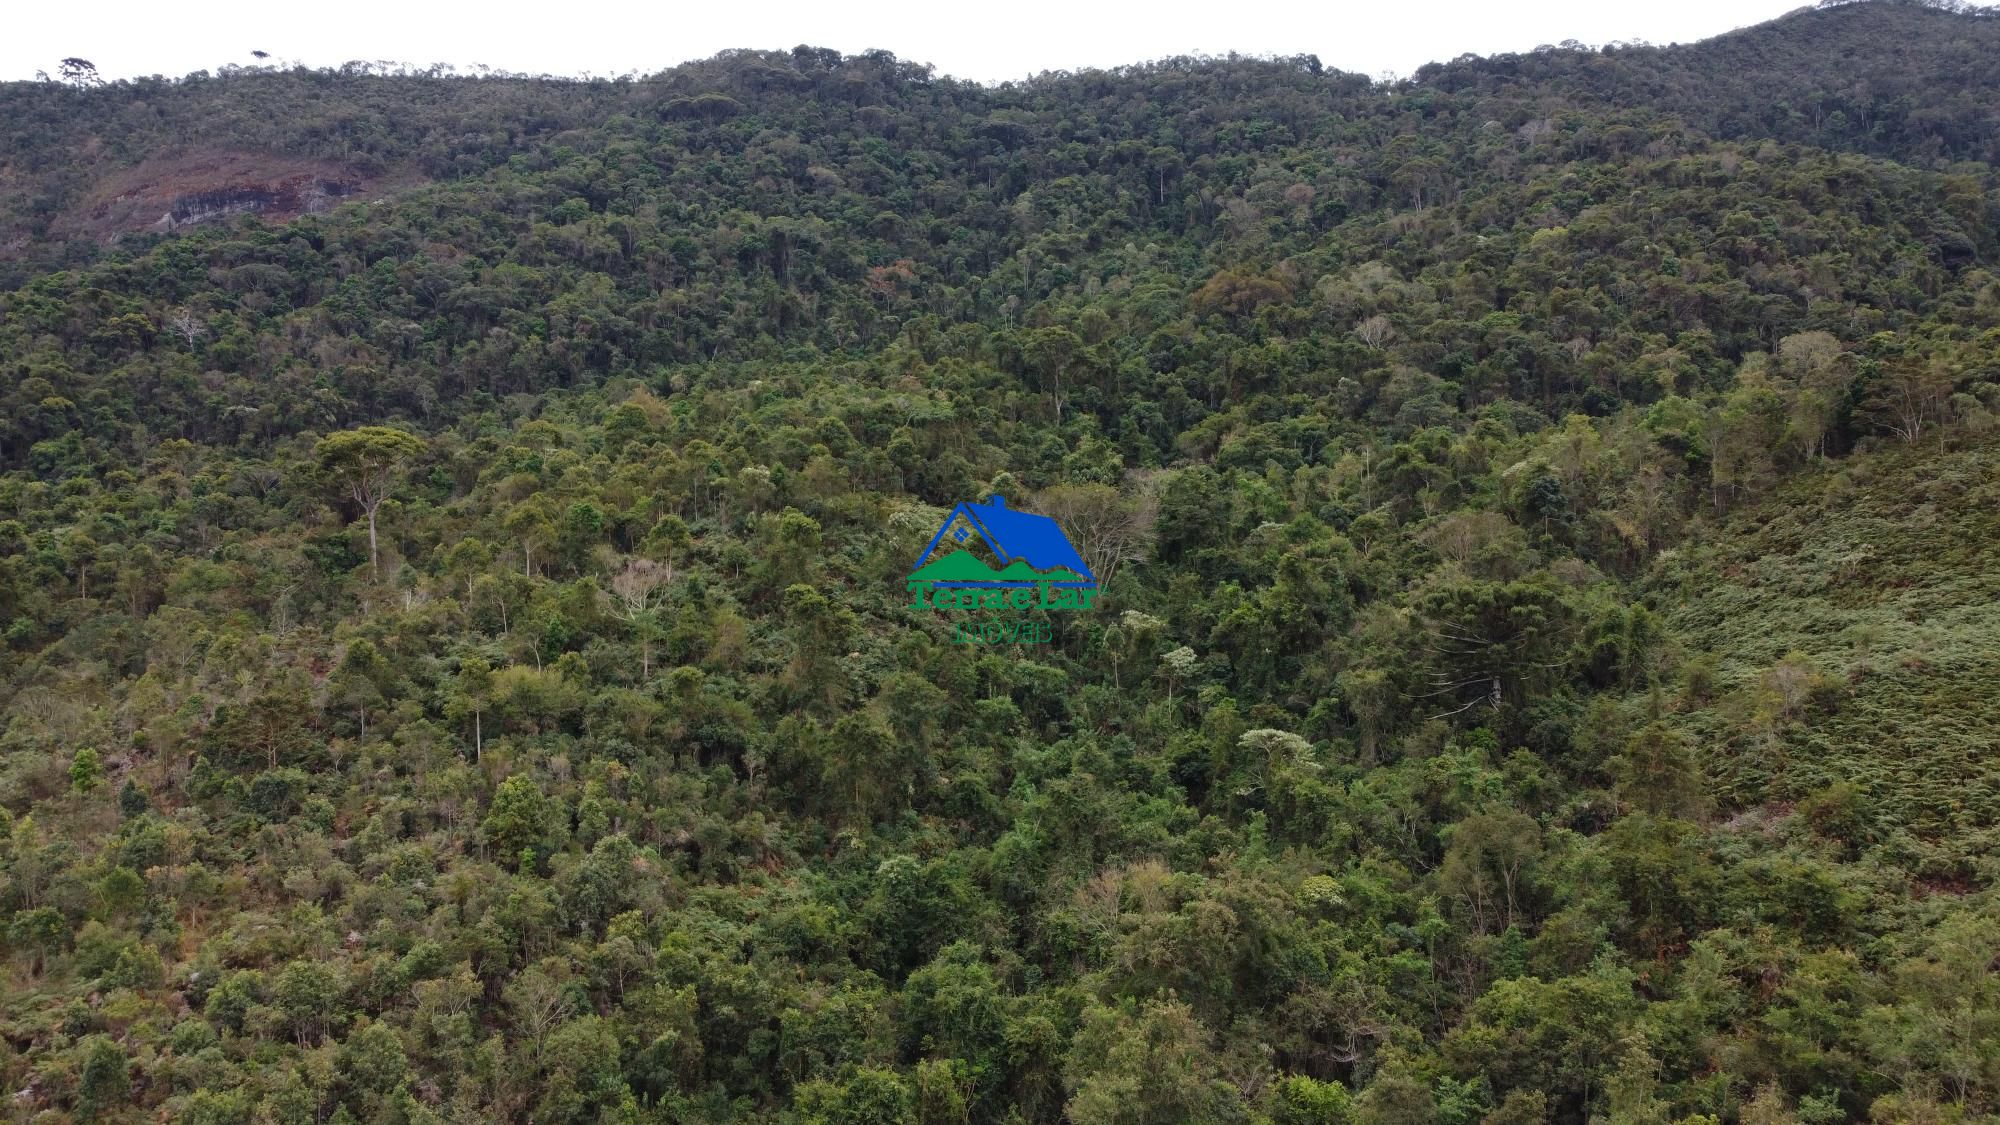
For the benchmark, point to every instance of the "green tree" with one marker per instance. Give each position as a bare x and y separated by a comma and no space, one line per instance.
39,931
85,772
470,695
1657,773
521,819
1052,352
372,1063
307,994
1152,1064
358,680
366,462
104,1080
1489,865
865,1096
823,631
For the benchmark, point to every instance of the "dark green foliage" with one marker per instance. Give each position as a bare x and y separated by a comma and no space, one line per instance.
104,1079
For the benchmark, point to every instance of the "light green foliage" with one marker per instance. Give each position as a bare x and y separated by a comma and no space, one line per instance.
307,996
85,772
1145,1066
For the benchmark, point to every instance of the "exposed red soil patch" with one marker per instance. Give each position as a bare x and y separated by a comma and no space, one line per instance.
168,193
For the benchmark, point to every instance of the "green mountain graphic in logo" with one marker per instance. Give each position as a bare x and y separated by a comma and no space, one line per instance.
1020,571
959,566
963,566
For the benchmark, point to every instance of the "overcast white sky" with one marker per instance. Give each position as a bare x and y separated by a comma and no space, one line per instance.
985,41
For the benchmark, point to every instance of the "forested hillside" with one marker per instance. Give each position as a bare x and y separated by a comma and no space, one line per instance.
455,662
1912,82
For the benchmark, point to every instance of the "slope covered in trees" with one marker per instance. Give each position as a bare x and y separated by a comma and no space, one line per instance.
455,662
1911,81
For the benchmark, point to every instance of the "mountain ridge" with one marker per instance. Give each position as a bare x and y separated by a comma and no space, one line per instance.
369,143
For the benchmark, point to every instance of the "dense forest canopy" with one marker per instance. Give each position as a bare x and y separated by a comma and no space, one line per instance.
455,663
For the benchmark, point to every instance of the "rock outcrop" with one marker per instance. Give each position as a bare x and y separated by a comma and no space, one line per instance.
175,192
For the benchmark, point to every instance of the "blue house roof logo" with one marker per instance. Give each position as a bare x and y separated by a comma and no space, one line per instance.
1031,551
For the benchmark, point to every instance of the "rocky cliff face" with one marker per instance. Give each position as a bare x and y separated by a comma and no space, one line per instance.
282,198
172,193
